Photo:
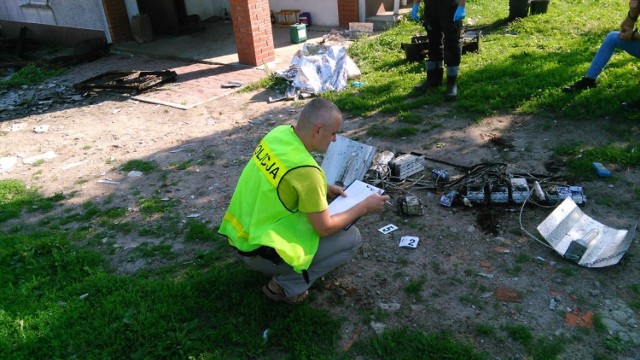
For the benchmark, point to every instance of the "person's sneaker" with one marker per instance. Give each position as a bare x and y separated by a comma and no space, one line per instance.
582,84
274,292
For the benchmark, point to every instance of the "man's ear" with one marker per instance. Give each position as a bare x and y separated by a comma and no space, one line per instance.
316,129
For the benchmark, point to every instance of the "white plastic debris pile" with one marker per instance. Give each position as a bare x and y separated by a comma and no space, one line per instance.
579,238
317,68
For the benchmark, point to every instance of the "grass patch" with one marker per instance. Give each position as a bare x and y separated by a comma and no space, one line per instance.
15,198
407,344
579,157
154,206
414,287
566,271
148,250
598,325
139,165
485,330
197,231
386,131
519,333
471,300
529,59
31,74
60,301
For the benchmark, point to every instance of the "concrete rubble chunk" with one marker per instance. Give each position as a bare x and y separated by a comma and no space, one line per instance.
378,328
389,306
41,129
7,163
41,157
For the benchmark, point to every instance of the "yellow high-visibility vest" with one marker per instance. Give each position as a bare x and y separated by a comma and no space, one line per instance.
257,216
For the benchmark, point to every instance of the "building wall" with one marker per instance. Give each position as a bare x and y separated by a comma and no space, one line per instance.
57,12
55,21
323,13
375,7
207,8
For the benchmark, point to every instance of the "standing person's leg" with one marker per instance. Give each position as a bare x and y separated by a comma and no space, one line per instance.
452,47
434,63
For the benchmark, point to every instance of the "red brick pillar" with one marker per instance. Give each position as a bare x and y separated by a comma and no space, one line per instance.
118,20
252,31
347,12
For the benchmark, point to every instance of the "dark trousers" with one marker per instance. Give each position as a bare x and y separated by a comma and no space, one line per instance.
442,32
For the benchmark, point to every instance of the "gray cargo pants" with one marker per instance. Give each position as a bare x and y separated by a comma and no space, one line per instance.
333,251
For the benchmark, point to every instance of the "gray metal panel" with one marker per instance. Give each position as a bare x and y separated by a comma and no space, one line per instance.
347,160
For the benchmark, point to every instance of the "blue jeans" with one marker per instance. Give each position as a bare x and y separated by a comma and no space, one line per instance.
608,46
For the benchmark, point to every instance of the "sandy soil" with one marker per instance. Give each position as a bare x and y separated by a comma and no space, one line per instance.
473,265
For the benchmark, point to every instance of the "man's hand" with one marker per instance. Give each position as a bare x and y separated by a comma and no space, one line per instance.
626,25
626,34
375,202
460,14
325,224
333,191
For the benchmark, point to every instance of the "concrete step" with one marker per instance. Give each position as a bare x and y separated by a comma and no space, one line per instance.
386,20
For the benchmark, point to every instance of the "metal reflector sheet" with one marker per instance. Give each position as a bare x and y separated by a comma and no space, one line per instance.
578,237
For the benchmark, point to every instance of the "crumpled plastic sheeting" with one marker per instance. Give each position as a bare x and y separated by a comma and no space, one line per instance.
318,68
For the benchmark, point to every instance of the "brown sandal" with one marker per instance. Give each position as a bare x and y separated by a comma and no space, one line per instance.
274,292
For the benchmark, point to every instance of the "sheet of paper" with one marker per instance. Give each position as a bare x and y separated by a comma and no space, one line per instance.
356,192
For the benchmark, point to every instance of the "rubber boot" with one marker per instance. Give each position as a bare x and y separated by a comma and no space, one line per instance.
434,76
452,87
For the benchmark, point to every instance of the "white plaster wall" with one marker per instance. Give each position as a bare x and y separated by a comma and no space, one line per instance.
84,14
323,12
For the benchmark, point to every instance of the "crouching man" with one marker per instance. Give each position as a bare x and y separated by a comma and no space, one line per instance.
278,219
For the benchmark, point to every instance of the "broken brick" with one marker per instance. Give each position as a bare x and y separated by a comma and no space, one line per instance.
486,264
507,295
579,319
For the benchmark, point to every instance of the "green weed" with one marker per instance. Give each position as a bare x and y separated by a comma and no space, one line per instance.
566,271
471,299
386,131
407,344
15,198
598,325
154,206
184,165
197,231
139,165
410,118
519,333
31,74
414,287
485,330
616,344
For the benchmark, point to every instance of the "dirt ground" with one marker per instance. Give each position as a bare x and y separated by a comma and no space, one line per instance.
473,266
